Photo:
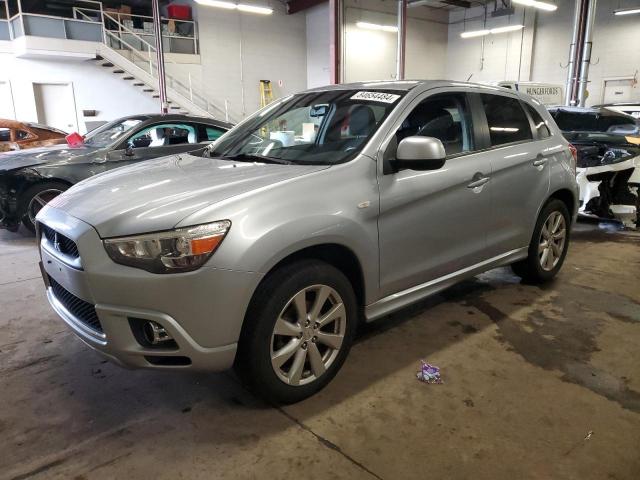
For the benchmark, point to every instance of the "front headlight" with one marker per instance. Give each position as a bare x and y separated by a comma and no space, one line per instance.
179,250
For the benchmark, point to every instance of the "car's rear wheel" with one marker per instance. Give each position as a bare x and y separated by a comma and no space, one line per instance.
549,244
38,196
298,331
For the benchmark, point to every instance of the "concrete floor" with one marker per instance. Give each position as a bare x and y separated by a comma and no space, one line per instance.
539,383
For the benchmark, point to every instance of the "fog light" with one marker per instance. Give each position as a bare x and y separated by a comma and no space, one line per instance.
155,333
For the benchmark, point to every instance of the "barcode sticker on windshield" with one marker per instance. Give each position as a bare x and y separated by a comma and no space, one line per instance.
376,97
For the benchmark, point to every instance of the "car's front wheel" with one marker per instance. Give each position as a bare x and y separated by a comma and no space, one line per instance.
548,246
38,196
298,331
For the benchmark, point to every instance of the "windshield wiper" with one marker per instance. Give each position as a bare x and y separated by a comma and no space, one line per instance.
246,157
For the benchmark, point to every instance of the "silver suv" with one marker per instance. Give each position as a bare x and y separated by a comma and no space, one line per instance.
327,208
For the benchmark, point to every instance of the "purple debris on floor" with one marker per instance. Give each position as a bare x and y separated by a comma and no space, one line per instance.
429,373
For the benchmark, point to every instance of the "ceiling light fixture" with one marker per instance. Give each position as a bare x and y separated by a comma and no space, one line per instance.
236,6
549,7
492,31
626,11
373,26
510,28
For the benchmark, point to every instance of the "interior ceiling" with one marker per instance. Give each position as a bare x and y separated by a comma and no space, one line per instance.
451,4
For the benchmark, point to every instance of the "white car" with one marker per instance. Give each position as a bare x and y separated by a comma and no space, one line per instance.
630,108
608,161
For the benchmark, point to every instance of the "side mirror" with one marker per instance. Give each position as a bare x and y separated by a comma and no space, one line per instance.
128,152
420,153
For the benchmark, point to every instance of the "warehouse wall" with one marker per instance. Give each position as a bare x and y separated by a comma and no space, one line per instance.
371,54
93,88
239,49
317,22
545,47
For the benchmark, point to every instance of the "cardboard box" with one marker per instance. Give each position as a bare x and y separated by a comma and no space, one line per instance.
125,12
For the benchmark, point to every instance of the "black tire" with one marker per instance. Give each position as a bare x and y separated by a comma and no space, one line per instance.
30,194
277,291
531,269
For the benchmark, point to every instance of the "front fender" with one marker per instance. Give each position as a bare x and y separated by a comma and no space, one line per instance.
338,205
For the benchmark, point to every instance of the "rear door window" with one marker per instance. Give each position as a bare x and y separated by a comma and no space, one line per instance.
506,120
539,125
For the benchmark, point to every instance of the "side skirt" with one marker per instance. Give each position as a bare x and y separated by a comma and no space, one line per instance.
399,300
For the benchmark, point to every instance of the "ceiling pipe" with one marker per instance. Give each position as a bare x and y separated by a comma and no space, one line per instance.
402,40
336,8
587,45
575,53
162,86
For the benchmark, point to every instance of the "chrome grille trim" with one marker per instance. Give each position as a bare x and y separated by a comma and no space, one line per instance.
59,246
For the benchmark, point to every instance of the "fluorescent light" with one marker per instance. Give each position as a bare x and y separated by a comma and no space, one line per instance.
493,31
217,3
626,11
475,33
234,6
510,28
374,26
254,9
549,7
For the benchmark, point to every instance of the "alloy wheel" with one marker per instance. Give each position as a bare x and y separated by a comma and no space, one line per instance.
40,200
308,335
552,239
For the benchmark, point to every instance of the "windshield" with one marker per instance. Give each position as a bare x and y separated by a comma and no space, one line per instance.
109,133
590,121
317,128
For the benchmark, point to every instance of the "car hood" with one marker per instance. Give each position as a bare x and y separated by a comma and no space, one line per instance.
44,155
596,149
157,194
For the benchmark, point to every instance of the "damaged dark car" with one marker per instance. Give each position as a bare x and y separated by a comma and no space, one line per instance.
30,179
608,161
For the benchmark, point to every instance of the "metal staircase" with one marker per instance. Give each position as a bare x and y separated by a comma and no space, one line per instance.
140,68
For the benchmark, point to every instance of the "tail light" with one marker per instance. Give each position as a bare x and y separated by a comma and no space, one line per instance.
574,154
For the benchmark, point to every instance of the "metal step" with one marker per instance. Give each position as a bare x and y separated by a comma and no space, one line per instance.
108,64
118,71
129,77
147,89
174,107
138,84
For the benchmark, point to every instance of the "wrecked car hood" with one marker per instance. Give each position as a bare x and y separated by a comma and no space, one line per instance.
597,149
56,154
157,194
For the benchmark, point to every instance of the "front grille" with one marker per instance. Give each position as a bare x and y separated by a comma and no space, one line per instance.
81,310
62,244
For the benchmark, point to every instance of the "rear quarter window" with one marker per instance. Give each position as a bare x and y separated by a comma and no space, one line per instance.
506,120
539,125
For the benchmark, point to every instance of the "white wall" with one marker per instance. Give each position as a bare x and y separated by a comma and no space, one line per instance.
94,88
239,49
545,47
616,48
371,54
318,57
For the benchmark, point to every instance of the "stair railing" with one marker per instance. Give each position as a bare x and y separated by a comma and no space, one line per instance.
196,96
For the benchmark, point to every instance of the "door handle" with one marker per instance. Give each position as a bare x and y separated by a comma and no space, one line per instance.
540,162
478,180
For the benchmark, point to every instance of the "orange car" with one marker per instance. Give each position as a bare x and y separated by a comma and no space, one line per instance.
18,135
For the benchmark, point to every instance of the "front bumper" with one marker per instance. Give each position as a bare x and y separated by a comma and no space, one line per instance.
202,310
